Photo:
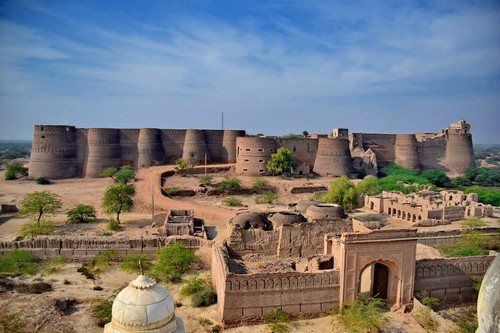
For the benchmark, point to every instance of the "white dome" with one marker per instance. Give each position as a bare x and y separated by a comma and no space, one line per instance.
144,305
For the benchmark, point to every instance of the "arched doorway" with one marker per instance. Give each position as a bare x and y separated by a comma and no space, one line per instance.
374,281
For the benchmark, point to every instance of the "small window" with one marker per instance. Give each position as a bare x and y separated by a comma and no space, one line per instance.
43,136
261,161
294,148
248,149
261,170
261,149
41,128
271,150
246,160
244,170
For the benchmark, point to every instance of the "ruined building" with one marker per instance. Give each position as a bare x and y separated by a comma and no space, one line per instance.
66,151
428,206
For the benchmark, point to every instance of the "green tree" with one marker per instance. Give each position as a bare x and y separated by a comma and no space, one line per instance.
81,214
342,191
36,204
369,185
281,163
124,175
436,177
117,199
174,257
182,166
14,171
305,133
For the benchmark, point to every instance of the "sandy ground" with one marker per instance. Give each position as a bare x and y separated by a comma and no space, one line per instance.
90,191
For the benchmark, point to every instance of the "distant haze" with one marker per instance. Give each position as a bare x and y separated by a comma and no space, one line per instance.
272,67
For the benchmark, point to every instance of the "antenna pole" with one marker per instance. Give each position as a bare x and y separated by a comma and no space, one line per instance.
222,121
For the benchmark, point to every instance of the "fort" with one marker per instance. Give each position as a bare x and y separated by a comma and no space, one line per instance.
61,151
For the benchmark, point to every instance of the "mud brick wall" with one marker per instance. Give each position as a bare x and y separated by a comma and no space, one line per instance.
451,279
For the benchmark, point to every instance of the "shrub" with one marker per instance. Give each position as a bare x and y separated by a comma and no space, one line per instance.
369,185
101,310
260,182
266,198
171,190
427,319
436,177
206,181
473,222
125,174
37,228
343,192
472,243
204,297
229,183
81,214
486,196
14,171
194,285
428,301
114,225
34,288
104,260
54,265
173,277
183,167
173,258
12,323
42,180
233,202
130,263
361,315
278,321
18,262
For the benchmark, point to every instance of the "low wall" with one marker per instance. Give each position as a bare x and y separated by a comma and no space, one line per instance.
245,298
444,237
51,246
307,189
451,279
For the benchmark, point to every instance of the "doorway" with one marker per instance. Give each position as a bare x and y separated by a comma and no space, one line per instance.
374,281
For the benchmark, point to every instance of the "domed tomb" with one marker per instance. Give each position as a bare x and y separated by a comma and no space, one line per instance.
322,211
248,220
287,218
144,306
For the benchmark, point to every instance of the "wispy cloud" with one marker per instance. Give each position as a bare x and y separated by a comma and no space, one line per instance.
313,59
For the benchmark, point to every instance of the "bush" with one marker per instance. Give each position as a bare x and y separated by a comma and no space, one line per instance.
194,285
473,222
233,202
101,310
428,301
14,171
54,265
37,228
12,323
42,180
486,196
114,225
173,277
229,183
130,263
102,261
204,297
369,185
260,182
170,190
183,167
266,198
436,177
278,321
472,243
81,214
19,262
343,192
206,181
281,163
173,258
125,174
427,319
361,315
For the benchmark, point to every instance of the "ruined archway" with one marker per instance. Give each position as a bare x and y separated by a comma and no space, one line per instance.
374,280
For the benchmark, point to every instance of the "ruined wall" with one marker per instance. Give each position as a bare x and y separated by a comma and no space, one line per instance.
383,145
253,240
306,239
247,297
451,279
53,152
333,157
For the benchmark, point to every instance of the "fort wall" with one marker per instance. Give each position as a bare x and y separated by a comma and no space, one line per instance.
451,279
248,297
65,151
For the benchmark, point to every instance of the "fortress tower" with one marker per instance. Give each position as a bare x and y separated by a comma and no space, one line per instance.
53,153
333,157
149,147
103,149
253,153
406,153
459,150
195,147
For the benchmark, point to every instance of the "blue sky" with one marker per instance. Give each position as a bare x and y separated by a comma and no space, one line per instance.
272,67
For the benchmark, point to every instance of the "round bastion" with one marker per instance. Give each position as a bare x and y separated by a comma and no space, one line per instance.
323,211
